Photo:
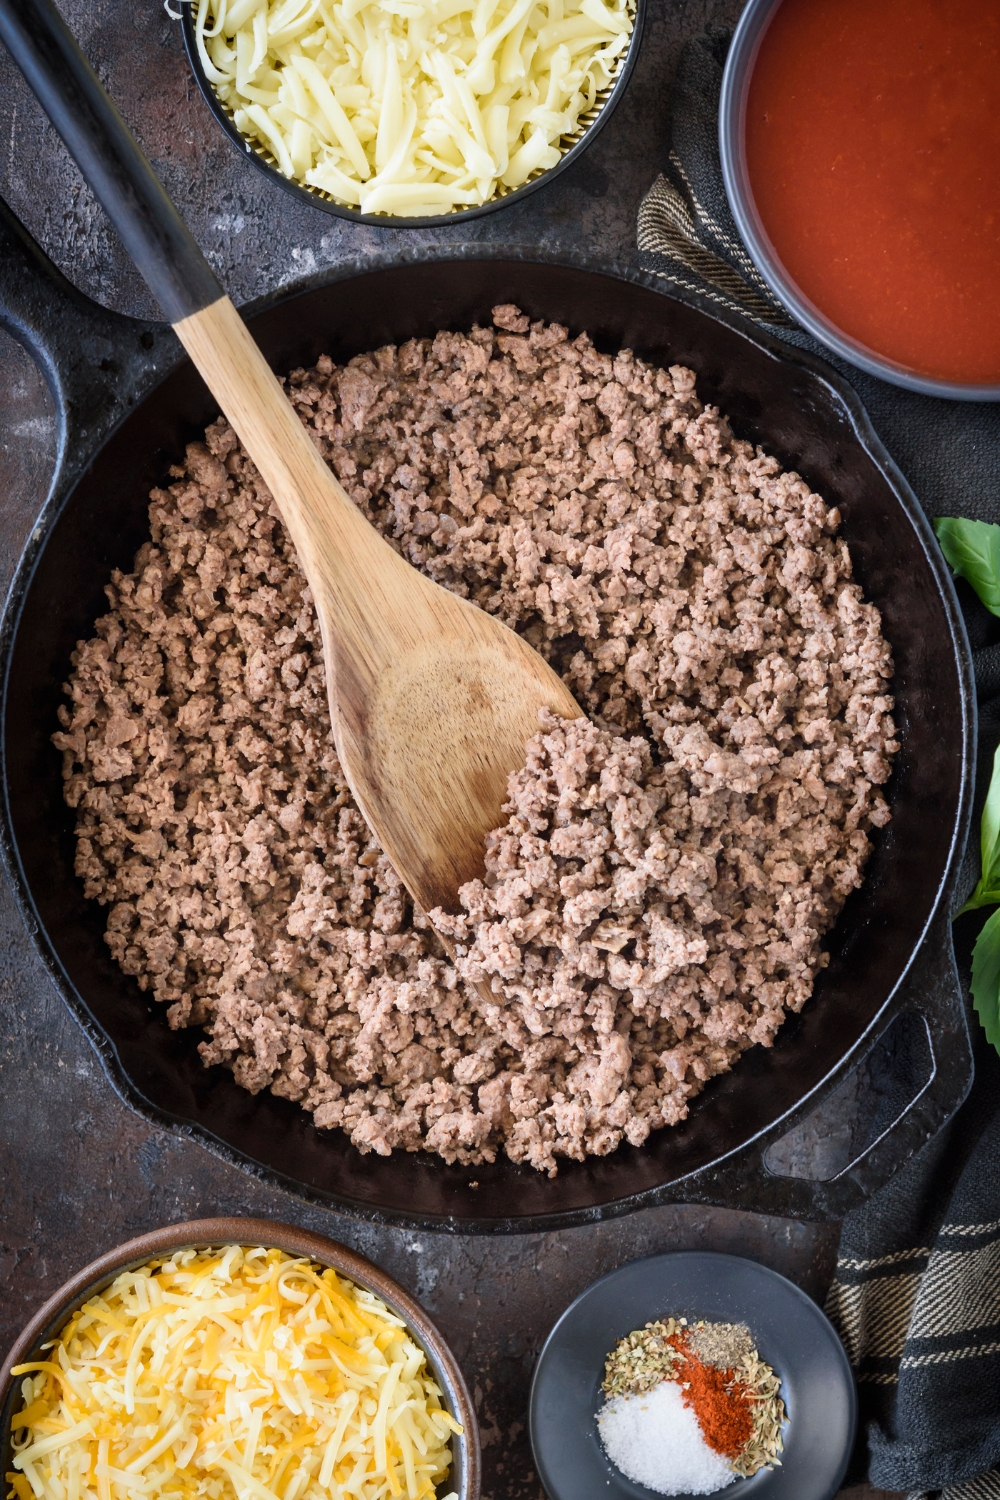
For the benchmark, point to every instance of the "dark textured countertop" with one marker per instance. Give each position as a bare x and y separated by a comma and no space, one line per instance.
79,1171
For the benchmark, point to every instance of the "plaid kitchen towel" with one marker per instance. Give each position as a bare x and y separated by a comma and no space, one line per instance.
916,1300
916,1294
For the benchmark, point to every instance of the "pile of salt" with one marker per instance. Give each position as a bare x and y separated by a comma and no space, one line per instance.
655,1440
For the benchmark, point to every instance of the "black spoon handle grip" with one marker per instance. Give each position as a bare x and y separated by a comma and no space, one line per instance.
107,154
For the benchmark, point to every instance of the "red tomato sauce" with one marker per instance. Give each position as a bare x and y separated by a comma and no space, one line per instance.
873,152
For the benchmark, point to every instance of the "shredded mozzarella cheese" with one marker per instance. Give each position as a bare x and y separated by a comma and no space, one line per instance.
230,1374
411,107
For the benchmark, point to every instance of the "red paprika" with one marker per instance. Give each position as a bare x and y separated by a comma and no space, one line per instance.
719,1401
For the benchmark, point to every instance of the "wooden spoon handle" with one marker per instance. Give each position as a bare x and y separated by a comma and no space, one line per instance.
102,146
184,284
314,506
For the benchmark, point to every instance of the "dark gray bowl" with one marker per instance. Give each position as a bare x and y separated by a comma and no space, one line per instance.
732,117
595,119
790,1331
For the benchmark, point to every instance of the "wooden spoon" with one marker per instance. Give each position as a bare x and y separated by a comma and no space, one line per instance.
432,701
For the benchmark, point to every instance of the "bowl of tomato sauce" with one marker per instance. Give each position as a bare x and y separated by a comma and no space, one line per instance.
860,145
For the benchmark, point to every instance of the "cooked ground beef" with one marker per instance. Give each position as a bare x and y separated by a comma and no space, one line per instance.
655,902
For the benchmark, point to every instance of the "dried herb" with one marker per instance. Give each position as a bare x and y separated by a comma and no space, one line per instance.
767,1412
642,1359
722,1344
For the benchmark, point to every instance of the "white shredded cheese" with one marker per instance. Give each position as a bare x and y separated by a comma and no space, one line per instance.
410,107
230,1374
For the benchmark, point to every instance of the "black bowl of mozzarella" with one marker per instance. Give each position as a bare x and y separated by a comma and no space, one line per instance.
412,113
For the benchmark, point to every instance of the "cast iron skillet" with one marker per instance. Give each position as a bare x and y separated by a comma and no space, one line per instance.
128,402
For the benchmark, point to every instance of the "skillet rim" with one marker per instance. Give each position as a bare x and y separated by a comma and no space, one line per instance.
67,475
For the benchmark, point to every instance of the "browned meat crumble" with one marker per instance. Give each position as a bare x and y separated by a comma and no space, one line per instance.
655,902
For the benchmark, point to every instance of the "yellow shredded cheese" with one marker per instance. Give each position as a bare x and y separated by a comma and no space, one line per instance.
230,1374
412,107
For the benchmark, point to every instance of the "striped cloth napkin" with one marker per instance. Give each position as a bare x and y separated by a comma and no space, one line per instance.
916,1294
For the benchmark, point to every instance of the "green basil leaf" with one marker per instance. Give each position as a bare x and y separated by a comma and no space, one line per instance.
973,550
986,978
987,892
981,896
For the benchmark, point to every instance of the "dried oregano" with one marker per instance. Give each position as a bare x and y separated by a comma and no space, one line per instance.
642,1359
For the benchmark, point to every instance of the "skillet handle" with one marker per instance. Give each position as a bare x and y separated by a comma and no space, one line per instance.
96,136
931,990
96,363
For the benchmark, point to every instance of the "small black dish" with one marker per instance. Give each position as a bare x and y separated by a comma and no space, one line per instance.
791,1334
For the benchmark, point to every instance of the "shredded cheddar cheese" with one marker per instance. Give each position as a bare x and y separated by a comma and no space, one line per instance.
230,1374
411,107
